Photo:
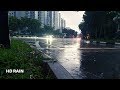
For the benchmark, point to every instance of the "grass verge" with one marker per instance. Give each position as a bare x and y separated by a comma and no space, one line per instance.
22,56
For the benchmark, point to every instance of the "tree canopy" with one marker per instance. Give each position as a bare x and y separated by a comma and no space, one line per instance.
24,25
69,32
99,24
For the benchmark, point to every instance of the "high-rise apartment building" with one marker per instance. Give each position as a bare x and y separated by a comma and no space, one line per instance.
36,15
59,20
50,18
32,14
19,14
11,13
42,17
64,24
55,20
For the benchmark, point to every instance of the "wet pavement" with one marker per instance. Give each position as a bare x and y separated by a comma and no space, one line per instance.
84,60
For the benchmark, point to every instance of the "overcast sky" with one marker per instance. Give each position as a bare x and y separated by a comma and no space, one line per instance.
72,18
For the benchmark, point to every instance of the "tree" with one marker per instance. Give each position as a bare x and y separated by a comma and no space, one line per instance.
33,25
48,29
98,24
24,25
69,32
13,23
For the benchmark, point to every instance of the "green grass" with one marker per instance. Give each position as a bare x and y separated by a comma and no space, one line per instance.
21,56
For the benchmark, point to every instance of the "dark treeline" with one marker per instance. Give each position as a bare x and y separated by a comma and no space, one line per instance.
28,26
23,25
69,33
100,24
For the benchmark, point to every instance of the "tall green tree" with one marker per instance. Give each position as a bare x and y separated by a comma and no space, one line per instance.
99,24
13,23
24,24
48,29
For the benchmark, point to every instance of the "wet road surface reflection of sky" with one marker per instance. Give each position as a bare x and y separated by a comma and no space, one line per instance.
86,63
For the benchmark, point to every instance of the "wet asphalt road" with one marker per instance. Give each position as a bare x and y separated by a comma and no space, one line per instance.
83,60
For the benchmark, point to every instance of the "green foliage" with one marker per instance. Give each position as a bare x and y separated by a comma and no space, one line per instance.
33,25
20,56
99,24
70,32
48,29
13,23
28,25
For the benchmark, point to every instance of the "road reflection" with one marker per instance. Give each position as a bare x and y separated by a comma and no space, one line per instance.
95,63
84,60
71,56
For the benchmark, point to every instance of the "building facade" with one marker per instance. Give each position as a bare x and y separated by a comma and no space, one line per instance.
50,18
36,15
59,21
32,14
19,14
55,20
42,17
11,13
64,24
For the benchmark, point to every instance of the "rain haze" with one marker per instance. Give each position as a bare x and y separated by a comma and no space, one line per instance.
73,19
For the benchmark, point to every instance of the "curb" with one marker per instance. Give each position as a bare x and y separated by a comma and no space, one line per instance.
57,69
103,42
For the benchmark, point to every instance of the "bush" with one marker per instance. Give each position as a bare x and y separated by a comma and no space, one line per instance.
20,56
